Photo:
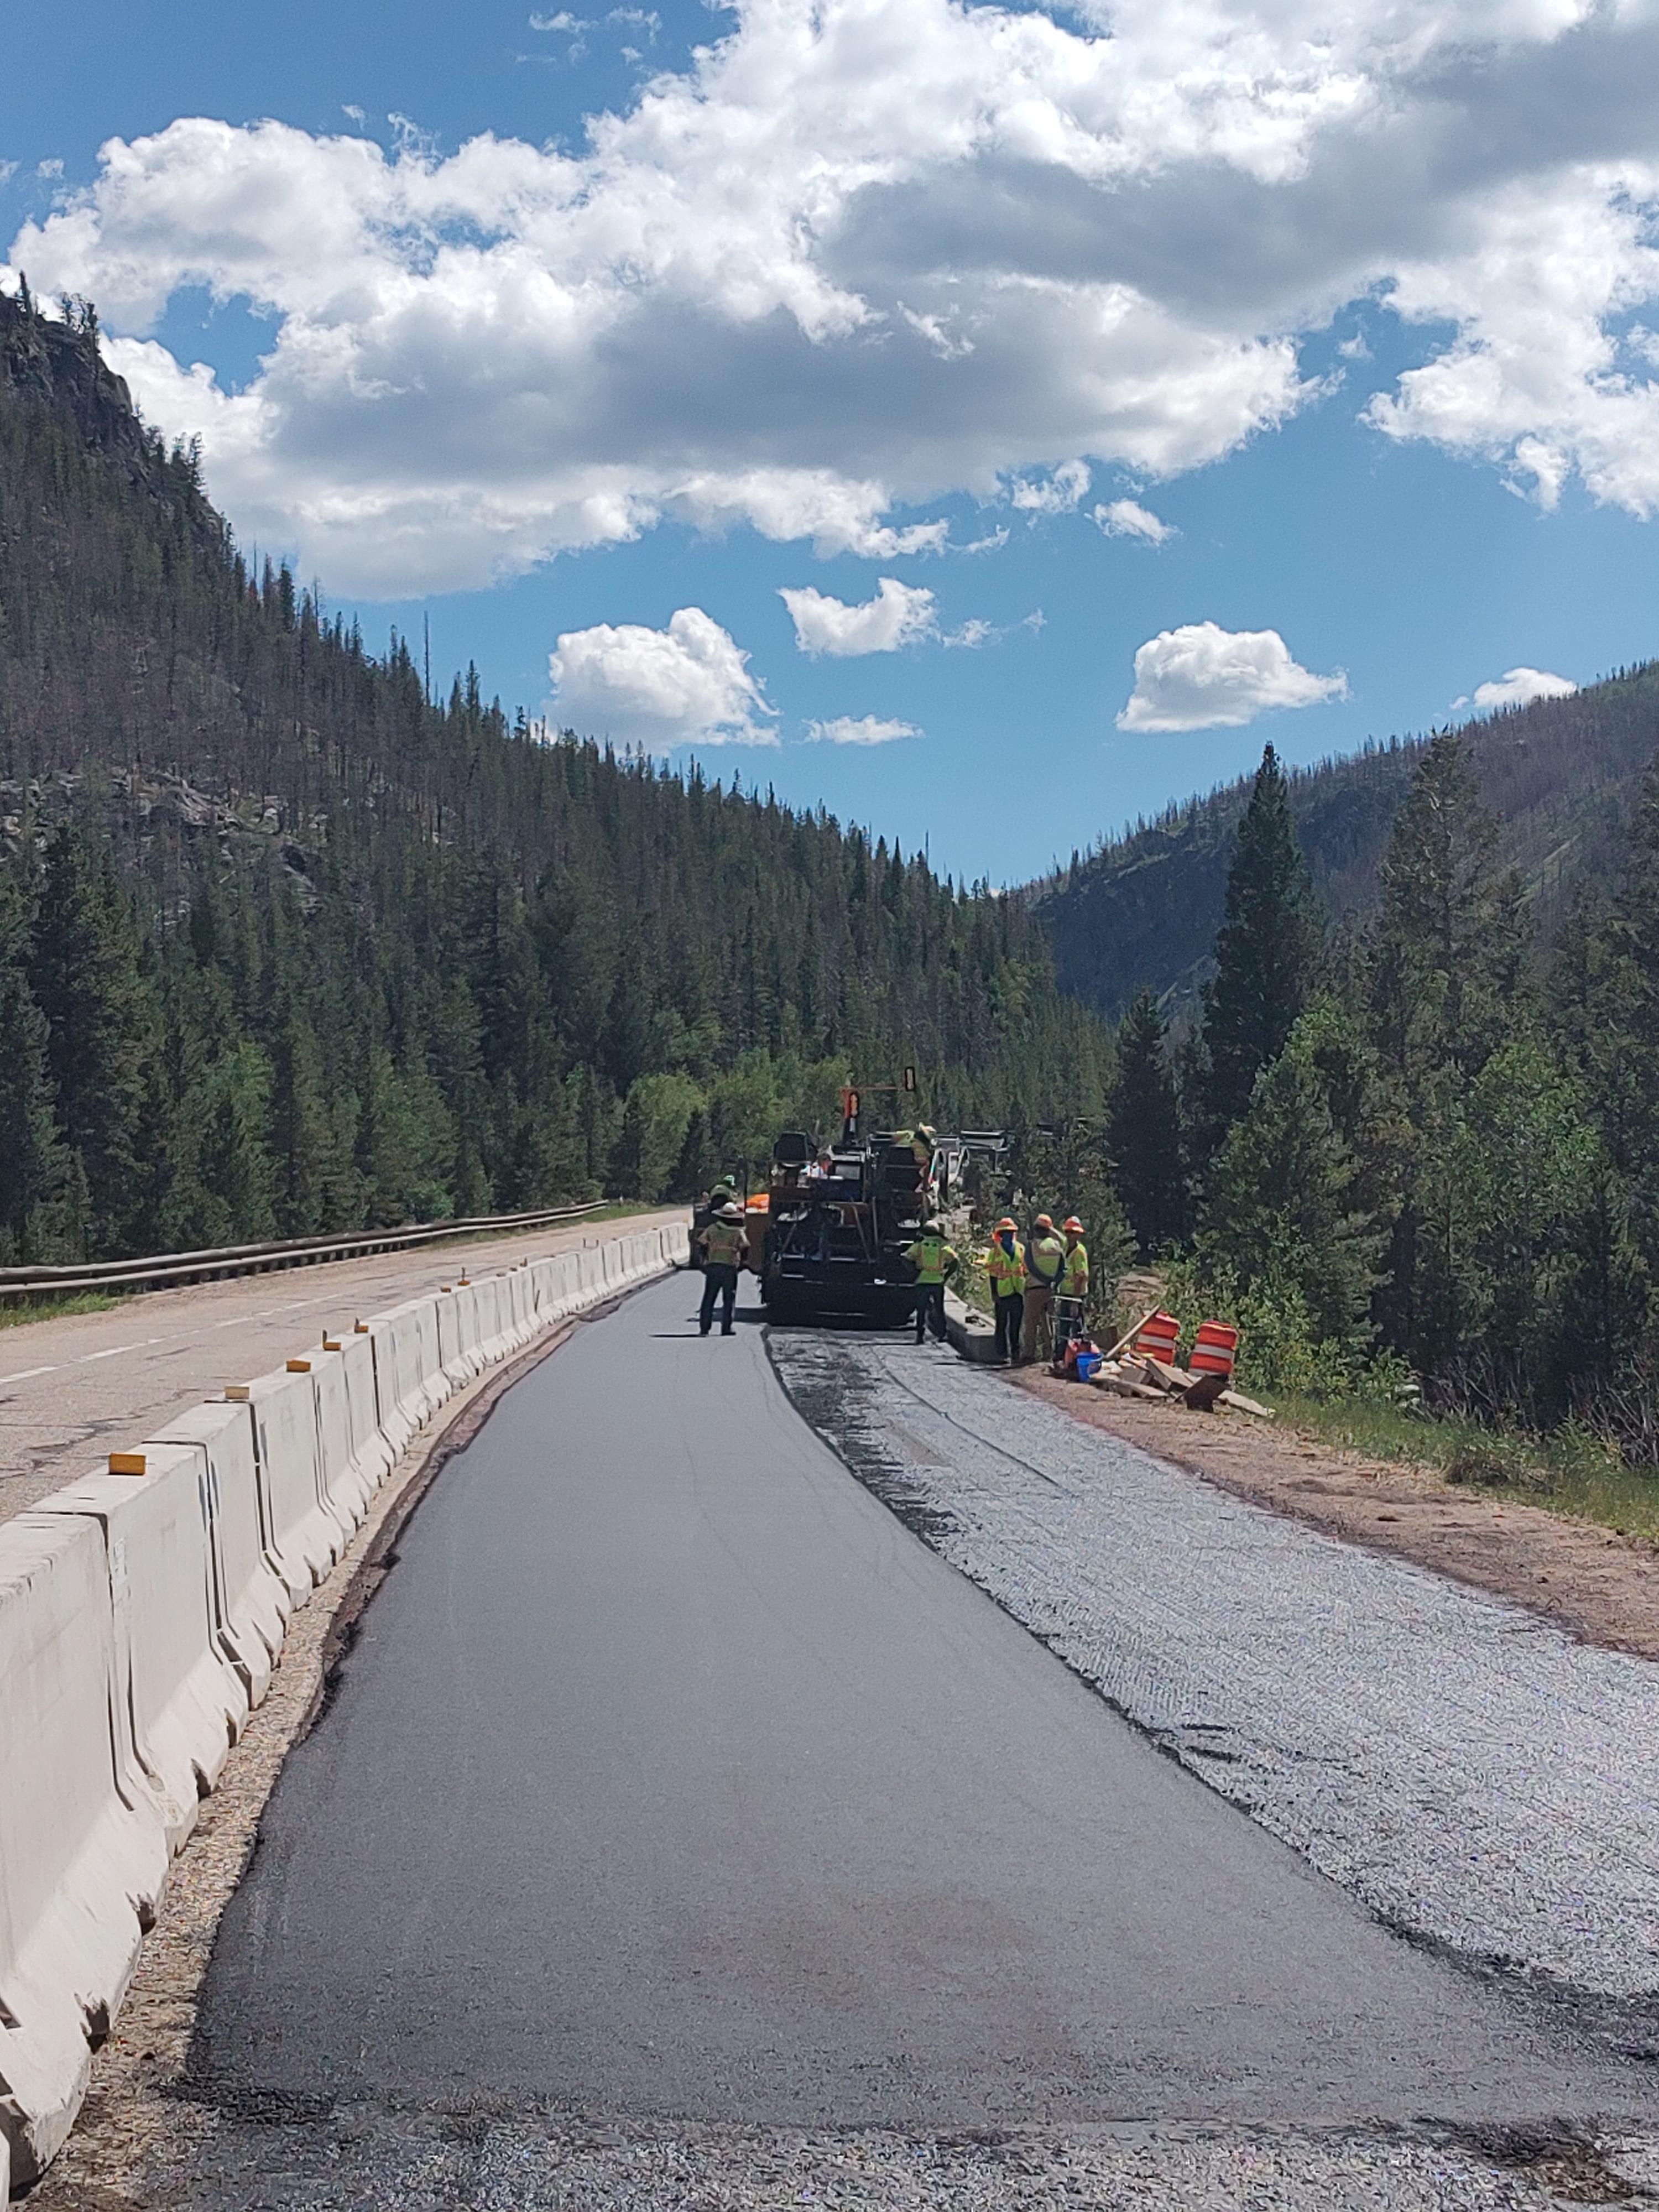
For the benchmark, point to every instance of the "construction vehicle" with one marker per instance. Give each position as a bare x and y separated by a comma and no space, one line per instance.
827,1237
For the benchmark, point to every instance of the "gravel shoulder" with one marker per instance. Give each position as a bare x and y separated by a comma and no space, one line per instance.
1595,1584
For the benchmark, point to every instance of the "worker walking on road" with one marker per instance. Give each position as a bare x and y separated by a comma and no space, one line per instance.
724,1244
1045,1264
933,1260
1073,1293
1004,1265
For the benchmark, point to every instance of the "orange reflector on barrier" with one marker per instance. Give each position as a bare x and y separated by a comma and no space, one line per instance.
127,1462
298,1367
330,1344
238,1393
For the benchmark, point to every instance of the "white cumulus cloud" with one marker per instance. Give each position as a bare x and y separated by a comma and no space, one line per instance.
656,689
1201,676
859,255
866,730
1518,686
1059,494
1124,518
899,614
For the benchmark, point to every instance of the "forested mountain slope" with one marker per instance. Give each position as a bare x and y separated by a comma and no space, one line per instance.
1561,776
283,946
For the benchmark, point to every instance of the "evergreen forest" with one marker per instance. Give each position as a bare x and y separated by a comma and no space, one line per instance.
1420,1152
285,946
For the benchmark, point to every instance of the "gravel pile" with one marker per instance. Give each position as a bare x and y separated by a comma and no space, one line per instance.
1468,1772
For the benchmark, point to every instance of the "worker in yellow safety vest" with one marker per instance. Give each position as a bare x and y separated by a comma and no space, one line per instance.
933,1260
1045,1263
723,1243
1074,1288
1004,1265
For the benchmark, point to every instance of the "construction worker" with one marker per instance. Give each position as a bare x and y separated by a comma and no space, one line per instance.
1074,1292
1045,1264
724,1192
1005,1264
724,1244
933,1260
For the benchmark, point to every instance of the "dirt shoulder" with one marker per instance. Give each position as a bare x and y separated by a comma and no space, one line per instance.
1597,1585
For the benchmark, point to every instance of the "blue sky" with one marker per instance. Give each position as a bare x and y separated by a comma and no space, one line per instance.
1354,310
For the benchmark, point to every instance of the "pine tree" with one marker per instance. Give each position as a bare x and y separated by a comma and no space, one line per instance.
1281,1214
1143,1132
1267,952
1452,936
1445,992
42,1200
87,980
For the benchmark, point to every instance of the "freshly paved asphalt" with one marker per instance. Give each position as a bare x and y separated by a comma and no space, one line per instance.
79,1385
672,1774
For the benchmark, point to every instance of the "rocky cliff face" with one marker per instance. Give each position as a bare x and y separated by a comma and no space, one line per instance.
57,364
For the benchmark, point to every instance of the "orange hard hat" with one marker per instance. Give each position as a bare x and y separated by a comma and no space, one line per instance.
1006,1221
1045,1221
1072,1223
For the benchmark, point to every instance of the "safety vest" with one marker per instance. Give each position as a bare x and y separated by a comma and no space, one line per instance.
723,1242
1076,1283
1045,1260
932,1257
1006,1269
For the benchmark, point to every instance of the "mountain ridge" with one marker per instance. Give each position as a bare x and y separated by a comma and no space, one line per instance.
1144,908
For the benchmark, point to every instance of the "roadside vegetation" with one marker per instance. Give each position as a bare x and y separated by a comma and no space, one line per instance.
1417,1161
16,1312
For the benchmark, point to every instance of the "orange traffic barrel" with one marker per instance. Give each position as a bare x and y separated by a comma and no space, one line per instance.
1213,1349
1157,1339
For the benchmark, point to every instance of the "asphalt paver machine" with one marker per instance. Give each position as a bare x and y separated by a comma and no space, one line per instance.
828,1239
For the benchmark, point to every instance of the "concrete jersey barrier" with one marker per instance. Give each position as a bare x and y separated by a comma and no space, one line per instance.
253,1599
303,1538
174,1670
141,1616
370,1450
84,1857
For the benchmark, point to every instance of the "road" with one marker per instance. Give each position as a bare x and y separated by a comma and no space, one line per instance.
674,1788
80,1385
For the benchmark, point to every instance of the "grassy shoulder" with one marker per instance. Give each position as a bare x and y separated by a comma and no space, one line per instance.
1572,1472
15,1313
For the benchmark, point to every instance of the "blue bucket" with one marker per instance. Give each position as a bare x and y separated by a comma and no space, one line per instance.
1086,1363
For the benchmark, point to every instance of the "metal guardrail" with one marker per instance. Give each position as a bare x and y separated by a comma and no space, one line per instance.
224,1260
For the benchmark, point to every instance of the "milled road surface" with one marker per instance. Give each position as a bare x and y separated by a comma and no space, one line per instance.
674,1784
77,1386
1466,1770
